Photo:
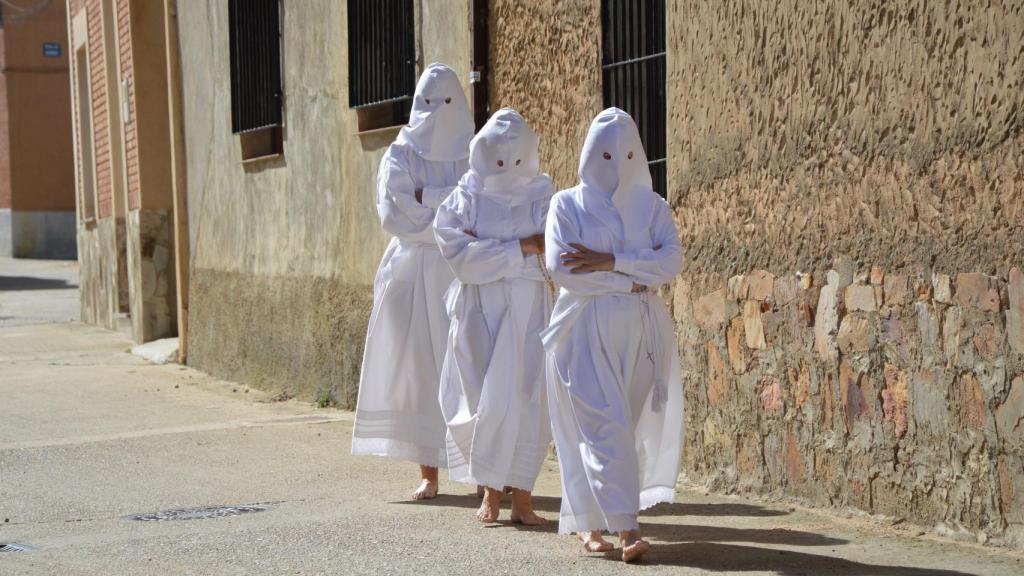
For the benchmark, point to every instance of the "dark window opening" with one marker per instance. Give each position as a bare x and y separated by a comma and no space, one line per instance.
381,61
256,92
633,72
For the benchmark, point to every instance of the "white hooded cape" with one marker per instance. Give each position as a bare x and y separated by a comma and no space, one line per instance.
397,413
492,384
614,383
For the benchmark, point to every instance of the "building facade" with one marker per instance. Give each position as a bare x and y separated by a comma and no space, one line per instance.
122,87
37,187
846,177
284,247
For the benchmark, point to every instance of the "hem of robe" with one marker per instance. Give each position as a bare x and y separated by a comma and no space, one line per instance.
460,469
597,522
570,524
399,450
656,495
463,475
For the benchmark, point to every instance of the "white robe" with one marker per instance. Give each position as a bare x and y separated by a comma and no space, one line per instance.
397,413
493,382
614,383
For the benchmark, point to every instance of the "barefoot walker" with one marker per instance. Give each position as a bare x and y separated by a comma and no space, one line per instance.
615,394
492,384
397,413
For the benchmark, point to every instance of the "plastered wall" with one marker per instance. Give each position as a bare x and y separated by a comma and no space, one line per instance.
278,244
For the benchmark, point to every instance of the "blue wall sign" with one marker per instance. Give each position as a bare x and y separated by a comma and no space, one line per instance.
51,49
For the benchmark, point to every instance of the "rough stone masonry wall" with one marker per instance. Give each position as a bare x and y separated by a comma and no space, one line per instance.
848,180
150,235
100,244
546,63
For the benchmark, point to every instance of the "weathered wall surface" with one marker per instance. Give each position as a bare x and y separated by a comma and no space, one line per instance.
546,63
284,251
874,147
888,130
150,274
98,252
5,140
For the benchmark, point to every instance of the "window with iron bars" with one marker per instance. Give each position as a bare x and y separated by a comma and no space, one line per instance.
633,72
256,89
381,61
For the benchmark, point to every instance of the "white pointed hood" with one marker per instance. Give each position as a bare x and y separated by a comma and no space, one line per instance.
440,123
504,162
615,180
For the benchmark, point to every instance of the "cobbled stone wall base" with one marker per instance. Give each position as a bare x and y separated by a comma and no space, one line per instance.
897,394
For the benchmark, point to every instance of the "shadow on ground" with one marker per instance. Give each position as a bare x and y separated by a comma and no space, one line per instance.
693,546
12,283
672,532
552,504
715,557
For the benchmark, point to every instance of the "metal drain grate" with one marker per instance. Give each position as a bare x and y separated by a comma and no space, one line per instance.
198,513
14,548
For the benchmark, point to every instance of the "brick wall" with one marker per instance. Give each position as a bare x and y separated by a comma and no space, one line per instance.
131,140
5,144
101,119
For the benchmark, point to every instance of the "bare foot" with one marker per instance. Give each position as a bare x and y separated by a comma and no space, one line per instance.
632,546
490,507
593,542
426,491
479,491
522,509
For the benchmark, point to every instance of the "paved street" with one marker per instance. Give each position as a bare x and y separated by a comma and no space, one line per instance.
90,436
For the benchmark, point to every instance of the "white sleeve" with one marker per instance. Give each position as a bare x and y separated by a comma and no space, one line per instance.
653,267
560,232
400,213
473,260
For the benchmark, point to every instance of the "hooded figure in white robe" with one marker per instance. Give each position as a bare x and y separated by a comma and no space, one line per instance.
397,414
614,382
493,384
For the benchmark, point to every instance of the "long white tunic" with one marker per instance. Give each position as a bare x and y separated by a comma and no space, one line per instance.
397,414
493,382
614,381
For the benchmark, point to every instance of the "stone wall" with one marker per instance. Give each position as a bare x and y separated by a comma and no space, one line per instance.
848,183
895,393
100,288
150,236
546,63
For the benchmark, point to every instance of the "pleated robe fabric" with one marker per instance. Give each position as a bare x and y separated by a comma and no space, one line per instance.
397,413
493,382
614,382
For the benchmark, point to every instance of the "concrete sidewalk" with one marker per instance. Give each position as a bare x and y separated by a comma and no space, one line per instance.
90,436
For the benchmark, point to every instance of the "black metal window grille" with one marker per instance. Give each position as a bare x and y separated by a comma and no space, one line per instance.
255,30
382,55
633,72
